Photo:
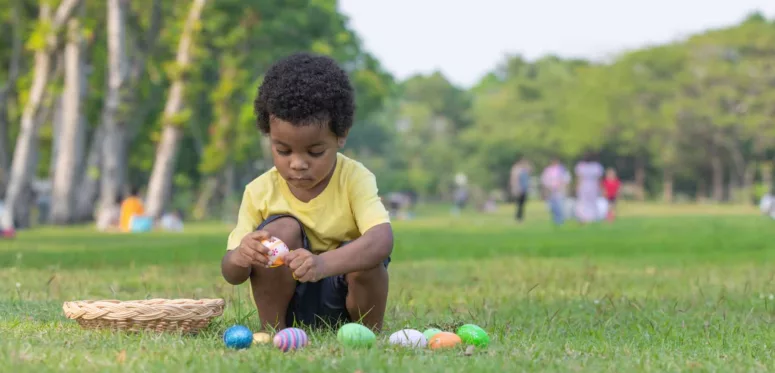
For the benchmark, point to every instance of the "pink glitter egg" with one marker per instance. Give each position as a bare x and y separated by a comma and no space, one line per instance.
290,339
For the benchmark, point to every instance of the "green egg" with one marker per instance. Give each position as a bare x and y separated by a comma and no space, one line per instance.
429,333
355,335
473,335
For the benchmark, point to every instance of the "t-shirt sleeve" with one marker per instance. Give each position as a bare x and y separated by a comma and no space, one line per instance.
248,219
367,207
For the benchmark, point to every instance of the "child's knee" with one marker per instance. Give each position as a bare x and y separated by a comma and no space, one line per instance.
287,229
370,277
272,280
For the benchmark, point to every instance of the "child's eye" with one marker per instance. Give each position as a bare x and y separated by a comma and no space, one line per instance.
283,152
316,154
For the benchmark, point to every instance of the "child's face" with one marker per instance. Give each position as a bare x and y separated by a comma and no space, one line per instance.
304,155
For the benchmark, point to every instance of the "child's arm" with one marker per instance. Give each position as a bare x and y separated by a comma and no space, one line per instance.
366,252
244,247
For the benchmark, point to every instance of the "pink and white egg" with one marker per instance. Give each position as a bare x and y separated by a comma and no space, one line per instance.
277,250
290,339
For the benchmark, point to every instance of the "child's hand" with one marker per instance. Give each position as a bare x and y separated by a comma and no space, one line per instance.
251,251
306,266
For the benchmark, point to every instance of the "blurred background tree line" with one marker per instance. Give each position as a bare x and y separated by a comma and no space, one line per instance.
98,96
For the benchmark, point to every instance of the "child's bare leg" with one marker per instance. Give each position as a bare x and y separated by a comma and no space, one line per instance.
273,288
367,296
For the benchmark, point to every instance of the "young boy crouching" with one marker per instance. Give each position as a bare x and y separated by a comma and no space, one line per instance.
322,204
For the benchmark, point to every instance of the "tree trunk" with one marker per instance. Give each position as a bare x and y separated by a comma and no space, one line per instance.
56,130
88,191
228,192
667,184
108,167
4,143
733,189
166,152
766,174
748,182
640,178
114,144
8,91
71,132
702,190
202,207
717,177
23,165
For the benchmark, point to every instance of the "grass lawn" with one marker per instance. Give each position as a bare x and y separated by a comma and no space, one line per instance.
663,289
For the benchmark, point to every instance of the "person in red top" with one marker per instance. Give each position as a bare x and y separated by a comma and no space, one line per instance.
611,185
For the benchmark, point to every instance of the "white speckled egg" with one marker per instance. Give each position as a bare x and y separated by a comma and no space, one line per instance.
409,337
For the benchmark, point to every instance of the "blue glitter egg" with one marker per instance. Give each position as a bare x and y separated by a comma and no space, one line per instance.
238,337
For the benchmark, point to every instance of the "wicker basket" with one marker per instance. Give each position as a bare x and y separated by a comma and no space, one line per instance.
161,315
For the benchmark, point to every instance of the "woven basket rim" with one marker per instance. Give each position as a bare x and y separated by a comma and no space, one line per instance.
145,310
147,301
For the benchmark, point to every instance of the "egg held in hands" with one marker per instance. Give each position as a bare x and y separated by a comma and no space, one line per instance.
277,251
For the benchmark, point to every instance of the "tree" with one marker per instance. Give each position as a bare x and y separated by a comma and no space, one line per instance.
174,117
71,133
46,43
8,90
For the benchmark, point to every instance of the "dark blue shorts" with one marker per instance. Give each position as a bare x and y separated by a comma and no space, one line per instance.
316,304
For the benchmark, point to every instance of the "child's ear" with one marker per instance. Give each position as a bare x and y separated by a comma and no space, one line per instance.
341,140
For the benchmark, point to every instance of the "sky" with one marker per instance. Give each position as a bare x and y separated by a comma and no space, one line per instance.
467,39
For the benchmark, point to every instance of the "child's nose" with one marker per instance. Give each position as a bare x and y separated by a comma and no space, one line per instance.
298,164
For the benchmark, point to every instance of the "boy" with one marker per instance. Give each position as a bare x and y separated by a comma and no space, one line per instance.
322,204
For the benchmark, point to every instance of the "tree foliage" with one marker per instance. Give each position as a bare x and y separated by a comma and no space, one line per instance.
693,118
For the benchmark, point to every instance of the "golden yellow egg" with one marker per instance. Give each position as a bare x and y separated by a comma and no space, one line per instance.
261,338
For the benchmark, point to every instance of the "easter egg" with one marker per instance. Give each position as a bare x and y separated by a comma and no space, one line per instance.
290,339
355,335
473,335
444,340
408,337
429,333
277,250
238,337
261,338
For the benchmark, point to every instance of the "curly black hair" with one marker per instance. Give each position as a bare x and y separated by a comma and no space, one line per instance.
306,89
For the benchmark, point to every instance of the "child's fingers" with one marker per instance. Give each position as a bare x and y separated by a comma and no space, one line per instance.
251,253
257,246
290,256
301,256
295,263
255,241
295,256
255,257
302,271
260,235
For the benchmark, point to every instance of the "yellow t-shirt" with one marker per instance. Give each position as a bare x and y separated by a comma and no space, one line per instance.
347,208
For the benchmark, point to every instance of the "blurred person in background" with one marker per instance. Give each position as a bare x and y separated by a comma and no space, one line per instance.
131,207
588,174
172,221
519,185
555,179
611,186
461,193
